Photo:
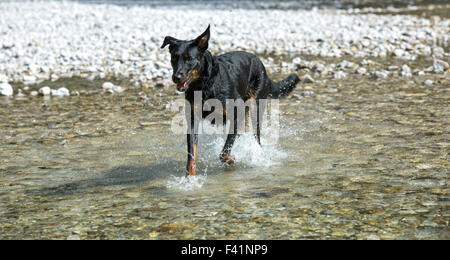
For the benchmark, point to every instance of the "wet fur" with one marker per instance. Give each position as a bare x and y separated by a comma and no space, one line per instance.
233,75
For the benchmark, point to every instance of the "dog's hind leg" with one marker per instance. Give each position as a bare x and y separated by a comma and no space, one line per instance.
225,156
258,122
258,107
254,115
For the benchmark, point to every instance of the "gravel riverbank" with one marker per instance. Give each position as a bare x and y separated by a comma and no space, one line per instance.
49,40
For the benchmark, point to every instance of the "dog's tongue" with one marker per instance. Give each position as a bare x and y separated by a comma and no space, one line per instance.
182,86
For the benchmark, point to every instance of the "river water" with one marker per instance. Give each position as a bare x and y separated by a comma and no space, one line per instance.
363,159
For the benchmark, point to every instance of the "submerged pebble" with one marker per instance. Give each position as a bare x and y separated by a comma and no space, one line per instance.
111,88
380,74
308,93
428,82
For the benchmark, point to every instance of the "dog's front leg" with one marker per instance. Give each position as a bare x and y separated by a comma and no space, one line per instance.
192,139
191,167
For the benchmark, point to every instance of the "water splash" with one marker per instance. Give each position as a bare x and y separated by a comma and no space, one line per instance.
247,152
188,183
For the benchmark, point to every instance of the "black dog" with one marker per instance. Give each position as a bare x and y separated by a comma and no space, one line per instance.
233,75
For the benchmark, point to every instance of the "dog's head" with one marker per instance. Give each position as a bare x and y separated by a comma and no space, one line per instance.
186,57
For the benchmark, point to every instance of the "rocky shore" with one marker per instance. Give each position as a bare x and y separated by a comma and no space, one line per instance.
48,40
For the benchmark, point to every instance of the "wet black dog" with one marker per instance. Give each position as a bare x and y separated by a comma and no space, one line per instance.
233,75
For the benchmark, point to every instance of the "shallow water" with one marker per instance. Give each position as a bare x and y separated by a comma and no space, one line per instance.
369,159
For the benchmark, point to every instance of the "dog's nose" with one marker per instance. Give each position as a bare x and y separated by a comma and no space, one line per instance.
176,78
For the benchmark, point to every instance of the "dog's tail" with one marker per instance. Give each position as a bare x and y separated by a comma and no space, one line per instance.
283,87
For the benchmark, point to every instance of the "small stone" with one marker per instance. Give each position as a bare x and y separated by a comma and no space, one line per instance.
399,52
420,73
429,69
332,90
361,71
3,78
29,80
339,75
54,77
429,223
346,64
117,89
45,91
366,62
153,234
365,42
406,71
107,85
438,51
428,82
296,97
159,83
439,66
61,92
392,68
73,237
111,88
318,68
64,91
20,93
373,237
380,74
6,89
34,93
307,79
308,93
297,60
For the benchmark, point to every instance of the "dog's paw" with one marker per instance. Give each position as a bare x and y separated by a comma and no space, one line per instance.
191,168
227,158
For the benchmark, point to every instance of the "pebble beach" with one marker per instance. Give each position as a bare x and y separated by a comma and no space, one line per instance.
49,40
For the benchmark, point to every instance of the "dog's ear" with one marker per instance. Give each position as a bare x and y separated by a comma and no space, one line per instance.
168,40
202,40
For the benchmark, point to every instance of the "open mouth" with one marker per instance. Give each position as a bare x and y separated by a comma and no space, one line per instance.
183,86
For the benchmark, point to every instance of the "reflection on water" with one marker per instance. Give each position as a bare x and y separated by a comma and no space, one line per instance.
369,160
